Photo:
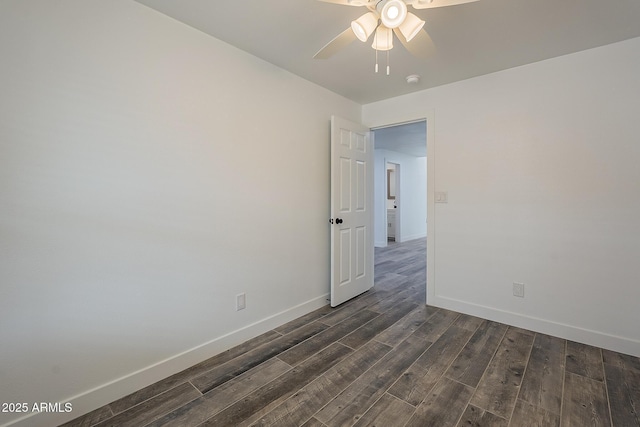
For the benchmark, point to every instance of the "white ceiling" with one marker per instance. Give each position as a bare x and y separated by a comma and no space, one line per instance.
471,39
409,138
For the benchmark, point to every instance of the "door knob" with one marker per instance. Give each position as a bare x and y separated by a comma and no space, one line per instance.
338,221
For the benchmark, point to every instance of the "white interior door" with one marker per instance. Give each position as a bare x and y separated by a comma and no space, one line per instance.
351,210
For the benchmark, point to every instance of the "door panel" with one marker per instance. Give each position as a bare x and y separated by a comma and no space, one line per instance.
345,260
361,186
361,242
351,210
345,185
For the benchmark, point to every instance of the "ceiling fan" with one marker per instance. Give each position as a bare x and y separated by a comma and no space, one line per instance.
385,18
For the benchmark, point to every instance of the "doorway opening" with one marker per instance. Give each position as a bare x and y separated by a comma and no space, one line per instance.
400,183
400,204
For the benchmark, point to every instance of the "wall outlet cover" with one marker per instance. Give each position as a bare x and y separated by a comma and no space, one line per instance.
518,289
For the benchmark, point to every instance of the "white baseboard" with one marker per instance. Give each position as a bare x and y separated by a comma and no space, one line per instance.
92,399
560,330
385,243
406,238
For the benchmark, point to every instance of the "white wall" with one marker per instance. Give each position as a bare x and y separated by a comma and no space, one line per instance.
412,199
148,174
541,167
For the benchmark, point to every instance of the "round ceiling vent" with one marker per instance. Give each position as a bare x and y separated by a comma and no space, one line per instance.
413,79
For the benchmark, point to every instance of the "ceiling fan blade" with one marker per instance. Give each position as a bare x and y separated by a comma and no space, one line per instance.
342,40
348,2
424,4
421,46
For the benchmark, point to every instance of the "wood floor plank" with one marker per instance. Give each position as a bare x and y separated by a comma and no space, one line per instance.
385,266
90,419
313,423
414,385
526,414
396,257
353,306
584,360
207,405
387,411
498,389
444,406
354,401
303,320
522,331
390,280
303,404
623,386
624,361
436,325
409,264
223,373
470,323
477,417
542,383
474,358
385,305
406,326
170,382
412,268
313,345
584,402
272,394
366,332
153,408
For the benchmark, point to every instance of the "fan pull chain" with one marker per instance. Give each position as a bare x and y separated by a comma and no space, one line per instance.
376,60
388,68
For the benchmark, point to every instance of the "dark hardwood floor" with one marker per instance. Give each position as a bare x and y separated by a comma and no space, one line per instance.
386,359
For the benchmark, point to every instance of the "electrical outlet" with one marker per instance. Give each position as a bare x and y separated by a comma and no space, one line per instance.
241,301
518,289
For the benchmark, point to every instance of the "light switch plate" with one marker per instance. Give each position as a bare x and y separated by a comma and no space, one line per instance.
442,197
241,301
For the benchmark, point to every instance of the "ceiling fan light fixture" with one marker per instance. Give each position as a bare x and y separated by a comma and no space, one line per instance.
392,12
383,39
411,26
364,26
